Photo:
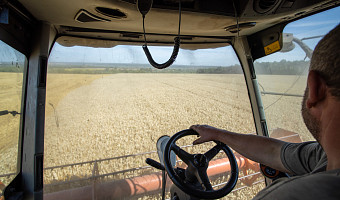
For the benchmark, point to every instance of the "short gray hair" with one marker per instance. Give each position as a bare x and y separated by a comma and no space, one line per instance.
326,60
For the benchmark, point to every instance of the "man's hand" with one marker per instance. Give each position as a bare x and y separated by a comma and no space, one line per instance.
206,133
258,148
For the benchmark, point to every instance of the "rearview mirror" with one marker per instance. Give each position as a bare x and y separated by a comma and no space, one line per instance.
288,45
287,42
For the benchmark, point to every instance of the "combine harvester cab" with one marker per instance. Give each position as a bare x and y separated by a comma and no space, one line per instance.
87,88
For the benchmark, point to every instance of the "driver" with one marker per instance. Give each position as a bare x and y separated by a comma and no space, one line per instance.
314,166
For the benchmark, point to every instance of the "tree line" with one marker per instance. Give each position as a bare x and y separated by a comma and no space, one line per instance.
278,68
282,67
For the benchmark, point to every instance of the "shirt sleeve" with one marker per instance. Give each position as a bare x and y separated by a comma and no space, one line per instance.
301,158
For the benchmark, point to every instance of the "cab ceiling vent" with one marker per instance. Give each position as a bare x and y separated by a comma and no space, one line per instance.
264,6
114,13
84,16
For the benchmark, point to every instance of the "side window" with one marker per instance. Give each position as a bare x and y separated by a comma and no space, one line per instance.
11,83
282,76
106,109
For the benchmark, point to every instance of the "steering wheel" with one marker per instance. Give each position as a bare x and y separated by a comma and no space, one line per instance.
197,168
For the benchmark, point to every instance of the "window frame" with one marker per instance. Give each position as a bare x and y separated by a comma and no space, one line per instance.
4,37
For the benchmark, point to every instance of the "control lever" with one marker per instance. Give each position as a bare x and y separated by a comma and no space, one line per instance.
154,164
159,166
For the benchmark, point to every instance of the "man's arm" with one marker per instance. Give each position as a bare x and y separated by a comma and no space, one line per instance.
257,148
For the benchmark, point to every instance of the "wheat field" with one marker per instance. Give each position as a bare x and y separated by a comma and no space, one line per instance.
90,117
134,110
10,99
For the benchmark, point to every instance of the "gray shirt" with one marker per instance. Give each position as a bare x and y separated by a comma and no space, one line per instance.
307,164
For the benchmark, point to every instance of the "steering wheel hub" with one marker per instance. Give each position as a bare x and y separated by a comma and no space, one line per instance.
200,160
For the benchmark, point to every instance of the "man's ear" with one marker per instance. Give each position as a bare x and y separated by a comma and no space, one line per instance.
317,88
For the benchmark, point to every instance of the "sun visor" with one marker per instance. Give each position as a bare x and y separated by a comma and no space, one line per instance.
186,43
69,41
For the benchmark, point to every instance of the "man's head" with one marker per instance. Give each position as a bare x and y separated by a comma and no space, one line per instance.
326,60
323,80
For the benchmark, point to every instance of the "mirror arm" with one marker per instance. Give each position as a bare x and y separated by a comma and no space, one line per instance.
304,47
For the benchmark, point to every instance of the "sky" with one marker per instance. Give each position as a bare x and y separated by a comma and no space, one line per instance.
318,24
135,54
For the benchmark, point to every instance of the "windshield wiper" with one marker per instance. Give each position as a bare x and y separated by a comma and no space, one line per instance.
5,112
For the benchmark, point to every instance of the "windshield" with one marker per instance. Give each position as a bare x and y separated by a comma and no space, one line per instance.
106,109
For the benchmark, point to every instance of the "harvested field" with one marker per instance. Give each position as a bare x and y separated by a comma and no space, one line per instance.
284,111
10,99
62,84
91,117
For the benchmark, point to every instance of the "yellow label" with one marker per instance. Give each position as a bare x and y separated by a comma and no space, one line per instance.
273,47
